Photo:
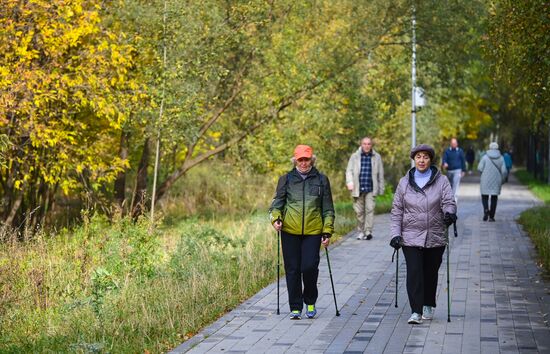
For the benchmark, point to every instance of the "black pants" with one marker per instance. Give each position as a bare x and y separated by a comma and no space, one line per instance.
485,202
422,268
301,256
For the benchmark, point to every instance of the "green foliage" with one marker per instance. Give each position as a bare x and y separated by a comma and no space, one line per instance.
257,76
102,282
518,46
63,77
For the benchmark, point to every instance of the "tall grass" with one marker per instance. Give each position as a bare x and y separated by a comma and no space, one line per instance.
126,287
119,288
535,220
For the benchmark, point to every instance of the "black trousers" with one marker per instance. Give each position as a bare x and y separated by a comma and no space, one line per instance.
485,202
422,268
301,256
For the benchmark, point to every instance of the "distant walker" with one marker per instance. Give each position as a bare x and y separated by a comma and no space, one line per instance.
365,180
454,162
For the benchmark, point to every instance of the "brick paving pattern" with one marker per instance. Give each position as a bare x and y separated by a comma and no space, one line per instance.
499,300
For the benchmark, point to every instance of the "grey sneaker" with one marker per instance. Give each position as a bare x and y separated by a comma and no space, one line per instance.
427,312
415,318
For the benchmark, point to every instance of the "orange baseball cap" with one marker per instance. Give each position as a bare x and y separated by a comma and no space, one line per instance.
303,151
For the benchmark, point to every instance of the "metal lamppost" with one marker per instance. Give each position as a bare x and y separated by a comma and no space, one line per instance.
413,74
417,94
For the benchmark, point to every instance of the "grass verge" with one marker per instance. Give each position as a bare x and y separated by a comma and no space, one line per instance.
535,220
540,189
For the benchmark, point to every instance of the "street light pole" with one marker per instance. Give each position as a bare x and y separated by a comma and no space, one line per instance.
413,74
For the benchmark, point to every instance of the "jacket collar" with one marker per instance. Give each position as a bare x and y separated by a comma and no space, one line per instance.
360,150
312,172
433,177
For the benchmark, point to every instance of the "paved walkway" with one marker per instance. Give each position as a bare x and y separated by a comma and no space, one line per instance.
499,302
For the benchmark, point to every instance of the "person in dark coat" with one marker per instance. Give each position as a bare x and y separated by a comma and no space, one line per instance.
423,207
470,158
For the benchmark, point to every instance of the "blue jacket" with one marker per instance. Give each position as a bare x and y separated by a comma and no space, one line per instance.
455,159
507,160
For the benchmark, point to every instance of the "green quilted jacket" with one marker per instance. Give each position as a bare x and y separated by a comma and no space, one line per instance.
304,205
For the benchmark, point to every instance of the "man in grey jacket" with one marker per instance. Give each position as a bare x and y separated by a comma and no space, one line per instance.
365,180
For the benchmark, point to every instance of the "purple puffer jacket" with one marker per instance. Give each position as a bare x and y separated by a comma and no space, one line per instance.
417,213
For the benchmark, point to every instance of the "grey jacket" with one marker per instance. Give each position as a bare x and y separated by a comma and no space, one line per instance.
493,172
417,213
354,168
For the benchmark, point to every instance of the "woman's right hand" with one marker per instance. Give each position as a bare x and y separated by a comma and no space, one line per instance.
278,225
396,242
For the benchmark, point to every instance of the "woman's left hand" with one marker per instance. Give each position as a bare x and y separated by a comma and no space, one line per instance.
325,240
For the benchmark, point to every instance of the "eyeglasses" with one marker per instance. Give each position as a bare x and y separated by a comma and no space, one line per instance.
304,159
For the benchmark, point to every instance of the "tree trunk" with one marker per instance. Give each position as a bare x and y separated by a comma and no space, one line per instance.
140,190
120,182
548,180
14,209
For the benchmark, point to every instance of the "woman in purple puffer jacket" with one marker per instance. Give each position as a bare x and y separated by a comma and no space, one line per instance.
423,207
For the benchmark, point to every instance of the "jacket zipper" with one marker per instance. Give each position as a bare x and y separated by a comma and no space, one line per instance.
427,220
303,204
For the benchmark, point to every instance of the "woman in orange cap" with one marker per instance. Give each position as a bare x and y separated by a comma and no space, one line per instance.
303,211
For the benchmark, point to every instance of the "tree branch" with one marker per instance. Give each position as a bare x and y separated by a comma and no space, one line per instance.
217,114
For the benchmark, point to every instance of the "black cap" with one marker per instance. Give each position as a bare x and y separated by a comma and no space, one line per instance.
423,147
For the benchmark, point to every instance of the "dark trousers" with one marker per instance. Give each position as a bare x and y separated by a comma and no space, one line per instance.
301,256
422,268
485,202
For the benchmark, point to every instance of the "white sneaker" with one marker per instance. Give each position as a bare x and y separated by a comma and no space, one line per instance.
427,312
361,236
415,318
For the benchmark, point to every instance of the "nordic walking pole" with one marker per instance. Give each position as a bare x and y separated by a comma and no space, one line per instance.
448,280
396,272
332,282
454,226
278,266
396,276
